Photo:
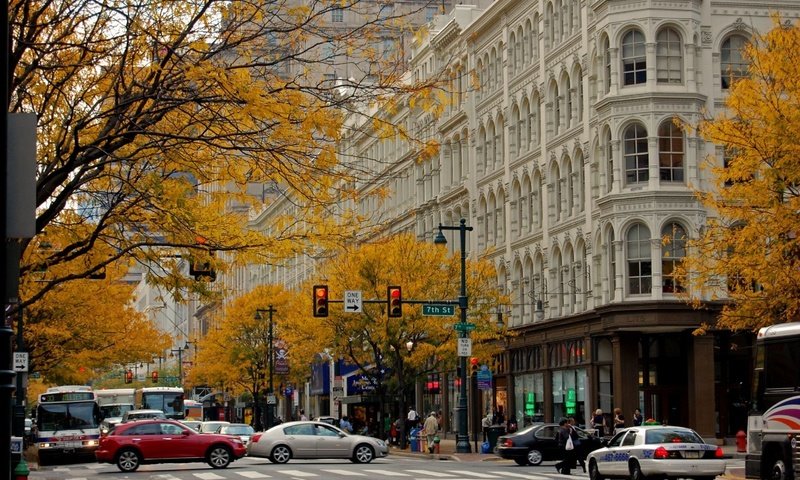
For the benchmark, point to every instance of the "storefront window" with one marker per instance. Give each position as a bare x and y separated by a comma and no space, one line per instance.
569,395
529,398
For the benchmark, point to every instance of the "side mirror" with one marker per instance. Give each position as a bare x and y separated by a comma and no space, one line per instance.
186,433
342,434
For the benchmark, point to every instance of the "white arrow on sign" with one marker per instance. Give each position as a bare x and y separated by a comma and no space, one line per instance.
352,301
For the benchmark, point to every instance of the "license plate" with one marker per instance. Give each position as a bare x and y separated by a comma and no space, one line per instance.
691,454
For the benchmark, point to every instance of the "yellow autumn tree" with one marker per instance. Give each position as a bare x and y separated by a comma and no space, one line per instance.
158,121
748,253
377,344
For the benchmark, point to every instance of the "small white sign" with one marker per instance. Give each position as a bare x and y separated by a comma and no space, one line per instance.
352,301
464,347
272,400
20,361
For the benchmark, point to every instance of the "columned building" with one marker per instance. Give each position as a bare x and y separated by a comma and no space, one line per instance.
560,143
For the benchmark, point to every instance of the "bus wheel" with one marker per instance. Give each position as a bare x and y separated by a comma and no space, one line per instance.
778,469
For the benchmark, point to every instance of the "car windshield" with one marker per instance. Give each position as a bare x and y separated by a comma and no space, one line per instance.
671,435
238,430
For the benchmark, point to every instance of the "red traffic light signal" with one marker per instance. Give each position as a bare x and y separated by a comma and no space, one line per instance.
128,376
395,300
154,376
474,362
320,300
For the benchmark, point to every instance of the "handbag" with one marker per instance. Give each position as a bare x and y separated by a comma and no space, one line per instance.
569,445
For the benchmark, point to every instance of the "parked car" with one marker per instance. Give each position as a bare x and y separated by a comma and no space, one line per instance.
211,427
307,439
537,443
146,414
656,452
193,424
132,444
241,430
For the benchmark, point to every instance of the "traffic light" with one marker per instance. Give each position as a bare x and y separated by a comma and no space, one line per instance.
154,376
128,376
473,361
320,300
395,299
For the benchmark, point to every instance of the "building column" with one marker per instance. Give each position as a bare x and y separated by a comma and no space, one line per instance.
625,381
701,386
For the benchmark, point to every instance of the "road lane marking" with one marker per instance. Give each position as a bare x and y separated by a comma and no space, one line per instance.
344,472
388,473
521,475
208,476
249,474
473,474
297,473
430,473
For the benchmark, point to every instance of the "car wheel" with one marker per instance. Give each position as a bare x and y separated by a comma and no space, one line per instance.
535,457
128,460
363,453
594,471
636,471
219,456
280,454
521,461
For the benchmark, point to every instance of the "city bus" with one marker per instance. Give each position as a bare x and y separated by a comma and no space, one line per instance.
773,423
167,399
67,422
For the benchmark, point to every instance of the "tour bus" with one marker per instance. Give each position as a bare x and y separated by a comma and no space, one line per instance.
167,399
773,424
67,422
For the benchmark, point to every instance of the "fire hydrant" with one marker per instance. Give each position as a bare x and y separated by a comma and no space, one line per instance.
21,471
436,441
741,441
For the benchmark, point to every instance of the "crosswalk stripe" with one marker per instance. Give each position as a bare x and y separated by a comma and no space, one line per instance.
473,474
388,473
344,472
430,473
208,476
249,474
521,475
297,473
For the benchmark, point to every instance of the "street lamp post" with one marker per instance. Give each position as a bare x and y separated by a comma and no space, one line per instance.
462,437
180,351
270,357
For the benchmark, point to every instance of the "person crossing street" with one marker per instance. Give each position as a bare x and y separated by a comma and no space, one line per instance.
430,428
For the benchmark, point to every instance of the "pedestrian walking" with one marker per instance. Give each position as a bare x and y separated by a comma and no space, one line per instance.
619,420
393,432
345,424
412,418
566,443
430,428
485,424
303,416
599,422
637,418
580,453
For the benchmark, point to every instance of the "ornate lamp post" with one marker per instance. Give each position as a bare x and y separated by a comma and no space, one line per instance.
462,437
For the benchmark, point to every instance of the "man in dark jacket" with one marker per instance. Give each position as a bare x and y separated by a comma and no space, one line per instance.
565,433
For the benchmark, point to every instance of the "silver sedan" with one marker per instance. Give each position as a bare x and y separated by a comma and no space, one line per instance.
314,440
656,451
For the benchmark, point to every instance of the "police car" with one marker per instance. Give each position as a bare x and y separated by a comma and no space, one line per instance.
656,451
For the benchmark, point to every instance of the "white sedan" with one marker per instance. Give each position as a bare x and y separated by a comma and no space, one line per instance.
656,451
314,440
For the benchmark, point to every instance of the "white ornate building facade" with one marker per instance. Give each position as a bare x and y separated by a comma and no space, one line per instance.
560,147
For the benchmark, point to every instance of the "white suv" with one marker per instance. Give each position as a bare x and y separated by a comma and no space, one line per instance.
132,415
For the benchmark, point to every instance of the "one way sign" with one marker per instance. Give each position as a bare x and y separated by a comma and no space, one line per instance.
352,301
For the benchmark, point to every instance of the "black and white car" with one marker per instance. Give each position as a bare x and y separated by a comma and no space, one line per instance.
656,451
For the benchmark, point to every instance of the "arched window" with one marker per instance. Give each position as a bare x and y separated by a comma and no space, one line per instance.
670,152
669,59
673,250
636,160
606,65
640,265
512,52
732,62
609,153
634,60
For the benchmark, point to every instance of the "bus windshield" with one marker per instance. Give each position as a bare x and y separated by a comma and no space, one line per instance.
66,416
776,376
169,403
110,411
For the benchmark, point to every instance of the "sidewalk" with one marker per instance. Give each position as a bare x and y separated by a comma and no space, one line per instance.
447,452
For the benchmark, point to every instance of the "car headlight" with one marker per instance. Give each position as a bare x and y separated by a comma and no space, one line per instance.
90,443
380,443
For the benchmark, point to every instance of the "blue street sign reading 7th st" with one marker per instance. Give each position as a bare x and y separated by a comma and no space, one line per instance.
439,310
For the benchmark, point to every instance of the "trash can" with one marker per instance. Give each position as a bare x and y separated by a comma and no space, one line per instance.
493,433
414,439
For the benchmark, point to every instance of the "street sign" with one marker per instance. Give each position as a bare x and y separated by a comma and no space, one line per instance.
352,301
20,361
438,310
484,378
464,327
464,347
272,400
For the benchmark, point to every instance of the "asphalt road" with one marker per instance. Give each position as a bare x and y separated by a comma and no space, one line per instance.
389,468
